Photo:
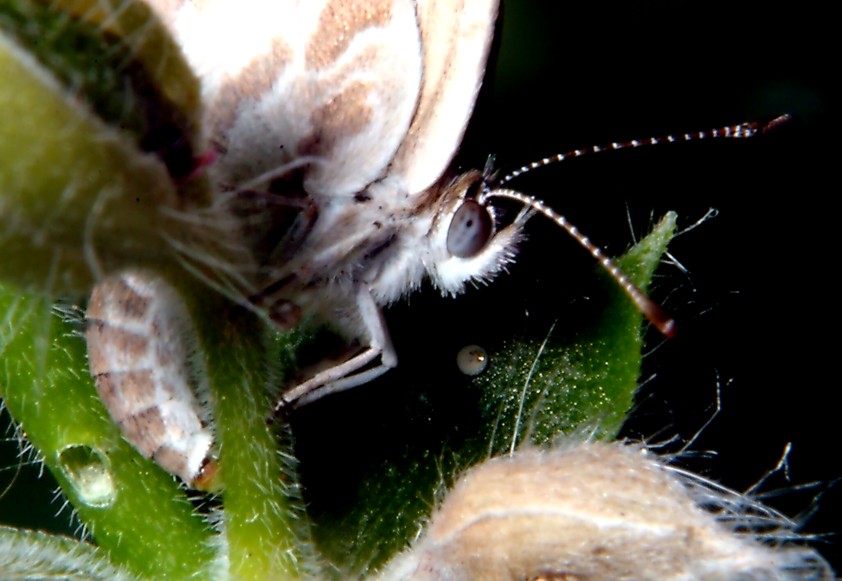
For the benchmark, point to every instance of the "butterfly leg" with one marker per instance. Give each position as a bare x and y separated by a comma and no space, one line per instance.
350,373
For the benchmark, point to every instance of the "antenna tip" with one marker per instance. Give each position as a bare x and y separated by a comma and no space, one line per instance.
775,123
668,328
660,319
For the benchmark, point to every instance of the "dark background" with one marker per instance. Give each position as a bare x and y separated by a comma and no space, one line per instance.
754,306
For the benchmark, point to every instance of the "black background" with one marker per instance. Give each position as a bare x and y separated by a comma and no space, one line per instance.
755,308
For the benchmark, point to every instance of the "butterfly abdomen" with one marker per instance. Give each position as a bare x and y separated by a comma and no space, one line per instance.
144,365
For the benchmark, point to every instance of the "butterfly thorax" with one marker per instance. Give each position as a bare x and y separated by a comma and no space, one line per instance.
380,238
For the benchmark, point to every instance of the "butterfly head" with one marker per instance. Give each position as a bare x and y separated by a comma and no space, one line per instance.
466,240
468,245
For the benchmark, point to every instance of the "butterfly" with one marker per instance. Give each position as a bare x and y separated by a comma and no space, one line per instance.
345,115
352,111
332,124
358,108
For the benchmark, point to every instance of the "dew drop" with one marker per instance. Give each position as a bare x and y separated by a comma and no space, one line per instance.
89,473
472,360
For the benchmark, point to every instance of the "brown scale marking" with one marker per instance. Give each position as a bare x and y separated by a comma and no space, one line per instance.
110,394
98,301
134,306
171,460
340,22
123,393
125,348
166,338
164,355
252,82
344,115
116,291
161,327
145,430
98,350
110,346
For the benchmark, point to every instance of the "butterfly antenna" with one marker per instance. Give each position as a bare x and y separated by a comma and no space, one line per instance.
739,131
649,308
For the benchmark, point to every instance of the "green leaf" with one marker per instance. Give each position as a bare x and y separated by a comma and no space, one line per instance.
99,130
135,511
35,555
265,531
89,145
534,392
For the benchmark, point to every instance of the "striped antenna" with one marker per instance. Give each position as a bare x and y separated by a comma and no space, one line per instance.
649,308
740,131
659,318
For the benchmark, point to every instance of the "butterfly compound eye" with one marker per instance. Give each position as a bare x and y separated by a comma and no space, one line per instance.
470,230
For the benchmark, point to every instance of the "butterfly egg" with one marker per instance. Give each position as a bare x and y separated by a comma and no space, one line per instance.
143,356
595,511
472,360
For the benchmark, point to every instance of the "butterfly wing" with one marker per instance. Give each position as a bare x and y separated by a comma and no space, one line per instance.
456,36
333,83
351,85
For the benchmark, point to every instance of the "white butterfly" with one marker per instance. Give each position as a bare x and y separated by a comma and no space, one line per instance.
347,112
360,106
